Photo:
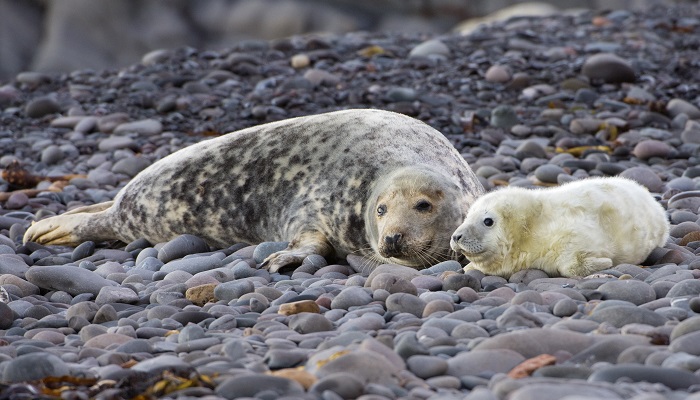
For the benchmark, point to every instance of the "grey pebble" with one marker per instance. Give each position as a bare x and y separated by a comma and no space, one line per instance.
675,379
634,291
621,315
427,366
263,250
476,362
251,385
34,366
41,106
350,297
608,67
405,302
69,279
309,322
182,246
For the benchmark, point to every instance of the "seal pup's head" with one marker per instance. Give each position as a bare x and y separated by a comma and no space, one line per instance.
410,215
497,227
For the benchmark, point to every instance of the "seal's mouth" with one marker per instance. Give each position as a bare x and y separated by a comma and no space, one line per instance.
467,247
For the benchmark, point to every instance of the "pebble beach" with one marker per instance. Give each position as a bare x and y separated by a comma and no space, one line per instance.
532,102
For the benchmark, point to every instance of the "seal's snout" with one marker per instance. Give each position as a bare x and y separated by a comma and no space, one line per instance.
456,237
393,241
392,245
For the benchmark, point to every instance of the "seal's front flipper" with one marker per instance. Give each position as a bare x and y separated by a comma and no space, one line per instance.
304,245
588,266
71,228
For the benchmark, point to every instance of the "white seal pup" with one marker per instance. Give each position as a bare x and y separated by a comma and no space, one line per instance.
367,182
575,229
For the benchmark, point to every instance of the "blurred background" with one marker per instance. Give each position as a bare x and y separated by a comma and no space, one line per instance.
67,35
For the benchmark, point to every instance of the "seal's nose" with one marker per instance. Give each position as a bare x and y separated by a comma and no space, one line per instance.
456,237
393,241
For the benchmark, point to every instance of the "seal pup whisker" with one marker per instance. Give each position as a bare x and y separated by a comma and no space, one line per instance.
344,179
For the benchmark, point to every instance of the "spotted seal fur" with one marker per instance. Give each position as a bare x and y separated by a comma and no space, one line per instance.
575,229
368,182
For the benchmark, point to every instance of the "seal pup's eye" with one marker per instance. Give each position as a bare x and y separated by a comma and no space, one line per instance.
488,222
423,206
381,210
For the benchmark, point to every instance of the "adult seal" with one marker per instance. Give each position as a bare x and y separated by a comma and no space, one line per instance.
367,182
575,229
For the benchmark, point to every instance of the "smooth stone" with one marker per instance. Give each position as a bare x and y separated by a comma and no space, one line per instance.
427,366
608,67
688,343
364,365
350,297
112,294
607,349
457,282
634,291
691,133
147,127
309,323
647,149
688,287
621,315
33,367
51,155
72,280
11,264
130,166
570,390
193,265
548,173
504,116
107,339
689,325
232,290
674,379
677,106
41,106
405,302
536,341
476,362
645,177
113,143
160,363
250,385
392,284
430,48
498,74
265,249
399,271
342,384
182,246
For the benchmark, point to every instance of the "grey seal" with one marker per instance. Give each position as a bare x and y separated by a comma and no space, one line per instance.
368,182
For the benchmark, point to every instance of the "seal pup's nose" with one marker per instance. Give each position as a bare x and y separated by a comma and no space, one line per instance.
455,238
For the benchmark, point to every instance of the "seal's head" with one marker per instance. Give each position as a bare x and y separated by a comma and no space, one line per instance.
497,227
410,216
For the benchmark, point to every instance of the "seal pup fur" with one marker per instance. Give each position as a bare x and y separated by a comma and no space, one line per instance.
575,229
368,182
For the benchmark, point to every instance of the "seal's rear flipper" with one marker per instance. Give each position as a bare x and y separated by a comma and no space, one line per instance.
304,245
71,228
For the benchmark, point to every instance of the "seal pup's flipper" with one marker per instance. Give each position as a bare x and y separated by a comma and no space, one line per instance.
304,245
71,228
588,266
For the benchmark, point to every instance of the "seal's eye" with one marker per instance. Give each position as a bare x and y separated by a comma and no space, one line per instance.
423,206
381,210
488,222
